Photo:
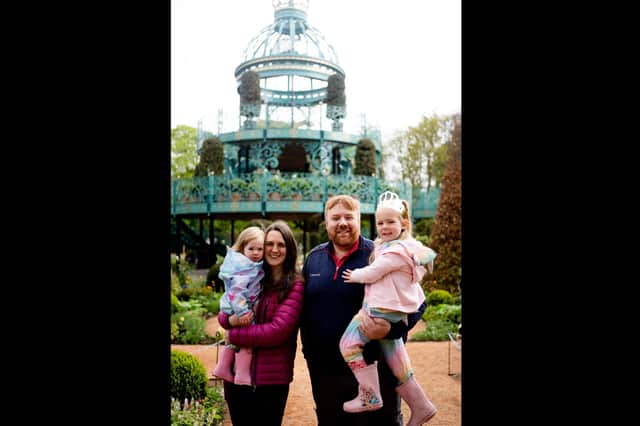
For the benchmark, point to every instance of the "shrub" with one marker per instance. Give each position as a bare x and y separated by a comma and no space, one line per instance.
191,327
424,239
365,158
188,377
211,158
175,330
212,306
189,293
423,226
212,276
182,271
335,90
452,313
436,297
210,302
238,185
300,185
175,304
188,328
436,330
210,412
175,283
249,89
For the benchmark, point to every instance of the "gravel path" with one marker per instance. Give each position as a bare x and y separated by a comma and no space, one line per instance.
429,360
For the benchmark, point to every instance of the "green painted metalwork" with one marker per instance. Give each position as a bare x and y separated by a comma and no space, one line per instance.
268,154
298,134
287,192
302,98
320,156
267,145
425,203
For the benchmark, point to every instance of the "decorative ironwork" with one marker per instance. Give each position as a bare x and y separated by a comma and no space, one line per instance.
249,124
221,189
320,154
268,153
194,190
190,194
336,112
250,110
357,186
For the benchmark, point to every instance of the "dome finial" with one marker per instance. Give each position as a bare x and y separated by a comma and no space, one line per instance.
291,4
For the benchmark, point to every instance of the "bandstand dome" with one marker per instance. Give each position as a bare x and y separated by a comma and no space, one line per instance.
290,48
290,34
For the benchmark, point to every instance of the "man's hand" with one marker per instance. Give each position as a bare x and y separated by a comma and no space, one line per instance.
374,328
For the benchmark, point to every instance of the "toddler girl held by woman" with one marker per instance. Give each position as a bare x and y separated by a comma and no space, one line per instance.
241,272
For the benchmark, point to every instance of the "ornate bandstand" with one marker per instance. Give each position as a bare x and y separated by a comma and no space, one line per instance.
289,153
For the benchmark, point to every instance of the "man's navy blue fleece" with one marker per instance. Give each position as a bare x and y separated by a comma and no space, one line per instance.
326,314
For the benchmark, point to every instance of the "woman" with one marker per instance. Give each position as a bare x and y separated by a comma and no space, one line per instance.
273,337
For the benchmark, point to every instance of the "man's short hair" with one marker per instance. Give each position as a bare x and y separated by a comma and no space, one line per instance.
346,200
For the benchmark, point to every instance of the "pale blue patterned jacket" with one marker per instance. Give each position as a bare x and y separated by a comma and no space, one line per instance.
241,278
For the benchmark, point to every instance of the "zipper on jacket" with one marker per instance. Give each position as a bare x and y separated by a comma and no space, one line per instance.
340,262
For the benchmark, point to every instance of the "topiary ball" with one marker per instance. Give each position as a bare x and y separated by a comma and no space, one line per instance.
188,377
437,297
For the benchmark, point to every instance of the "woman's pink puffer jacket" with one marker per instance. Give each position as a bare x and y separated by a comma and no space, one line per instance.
273,337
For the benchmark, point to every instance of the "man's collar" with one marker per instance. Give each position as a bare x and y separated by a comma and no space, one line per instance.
332,250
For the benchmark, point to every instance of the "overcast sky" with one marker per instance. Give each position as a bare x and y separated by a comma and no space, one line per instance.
402,59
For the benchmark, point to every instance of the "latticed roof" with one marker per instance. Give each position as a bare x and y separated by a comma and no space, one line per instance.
290,43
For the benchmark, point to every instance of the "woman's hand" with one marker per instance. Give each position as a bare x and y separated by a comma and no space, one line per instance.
242,321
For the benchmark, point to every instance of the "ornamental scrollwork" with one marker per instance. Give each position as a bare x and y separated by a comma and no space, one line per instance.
320,157
268,153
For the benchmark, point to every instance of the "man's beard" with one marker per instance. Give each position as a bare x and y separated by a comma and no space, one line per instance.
344,237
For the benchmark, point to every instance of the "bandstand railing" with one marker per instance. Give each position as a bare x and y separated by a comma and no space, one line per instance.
286,192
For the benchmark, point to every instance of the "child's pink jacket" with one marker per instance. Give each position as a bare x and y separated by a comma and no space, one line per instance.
394,276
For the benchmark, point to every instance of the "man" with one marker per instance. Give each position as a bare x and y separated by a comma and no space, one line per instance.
329,305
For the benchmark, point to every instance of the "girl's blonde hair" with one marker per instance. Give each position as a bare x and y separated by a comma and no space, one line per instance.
246,236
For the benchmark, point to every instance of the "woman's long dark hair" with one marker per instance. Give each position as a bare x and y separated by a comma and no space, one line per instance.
290,272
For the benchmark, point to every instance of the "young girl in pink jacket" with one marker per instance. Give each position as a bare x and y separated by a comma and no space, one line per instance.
392,291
